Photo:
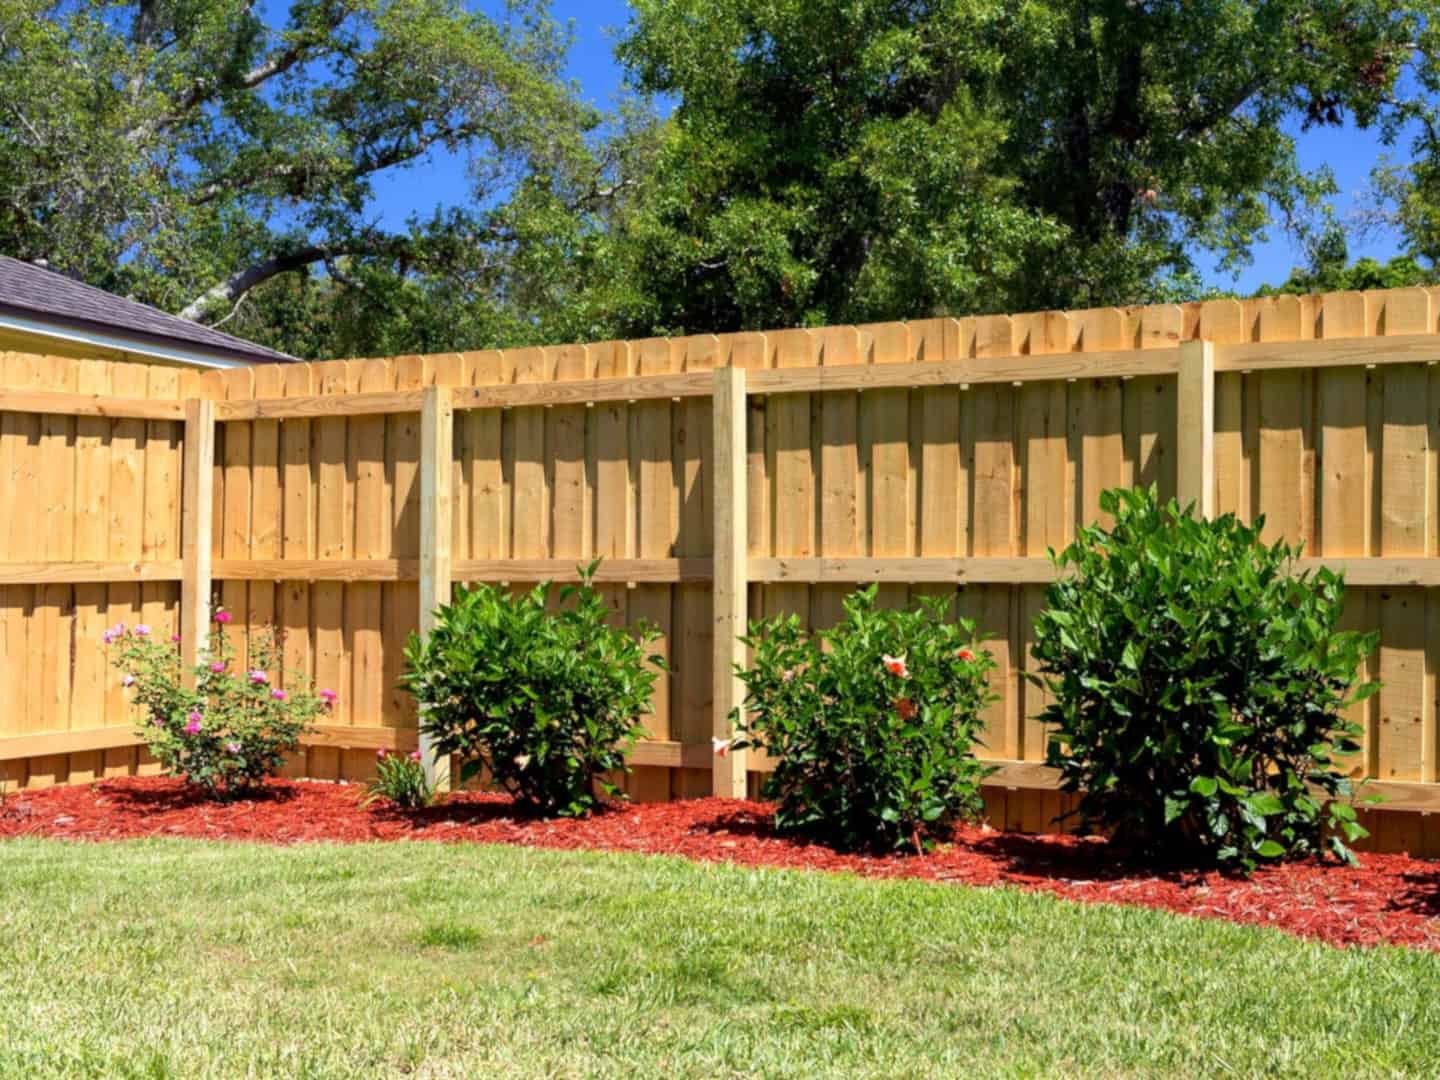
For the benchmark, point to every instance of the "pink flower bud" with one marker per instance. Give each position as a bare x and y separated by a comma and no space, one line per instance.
174,639
414,755
128,680
381,754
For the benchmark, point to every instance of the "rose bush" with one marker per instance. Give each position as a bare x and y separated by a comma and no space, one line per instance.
222,729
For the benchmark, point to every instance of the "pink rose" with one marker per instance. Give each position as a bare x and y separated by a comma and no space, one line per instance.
278,695
414,755
222,616
218,666
232,747
257,676
381,754
328,696
193,727
141,630
174,639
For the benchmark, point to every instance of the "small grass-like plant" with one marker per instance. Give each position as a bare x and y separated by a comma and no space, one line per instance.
1199,687
228,726
544,697
399,780
871,724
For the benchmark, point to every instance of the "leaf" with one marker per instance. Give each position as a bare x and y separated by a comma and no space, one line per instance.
1204,786
1269,849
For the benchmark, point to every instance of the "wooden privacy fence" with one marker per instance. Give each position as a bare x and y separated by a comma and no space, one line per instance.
720,478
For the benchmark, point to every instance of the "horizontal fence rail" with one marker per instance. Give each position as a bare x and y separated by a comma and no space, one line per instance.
717,479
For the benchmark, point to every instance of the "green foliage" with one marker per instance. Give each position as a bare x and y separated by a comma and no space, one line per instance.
543,697
1199,686
823,162
871,723
222,161
1331,270
223,729
399,780
835,161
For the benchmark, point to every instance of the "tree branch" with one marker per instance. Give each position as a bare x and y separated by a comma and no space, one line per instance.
205,89
234,288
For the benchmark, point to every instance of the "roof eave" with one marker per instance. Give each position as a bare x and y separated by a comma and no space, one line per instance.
154,346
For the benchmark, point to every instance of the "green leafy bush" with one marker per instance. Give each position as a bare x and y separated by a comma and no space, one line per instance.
544,700
1199,684
399,780
224,729
871,723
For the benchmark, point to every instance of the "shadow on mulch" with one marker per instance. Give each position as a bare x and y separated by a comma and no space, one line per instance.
473,809
1422,895
154,800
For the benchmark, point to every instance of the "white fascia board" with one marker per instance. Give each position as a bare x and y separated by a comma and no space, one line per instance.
194,355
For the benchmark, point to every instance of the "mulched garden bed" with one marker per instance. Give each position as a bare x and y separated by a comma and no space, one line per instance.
1388,898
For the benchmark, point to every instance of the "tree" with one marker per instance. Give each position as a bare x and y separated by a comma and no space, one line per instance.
1330,270
836,161
201,159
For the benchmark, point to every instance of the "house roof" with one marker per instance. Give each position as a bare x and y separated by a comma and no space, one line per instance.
35,295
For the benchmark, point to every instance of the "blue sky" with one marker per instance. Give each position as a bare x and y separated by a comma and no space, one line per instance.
1349,153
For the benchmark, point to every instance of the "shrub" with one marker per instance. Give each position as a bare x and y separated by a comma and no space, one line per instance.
224,730
871,723
546,701
1199,684
399,780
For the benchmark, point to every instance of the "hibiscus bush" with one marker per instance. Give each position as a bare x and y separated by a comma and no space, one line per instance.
871,724
1199,687
544,698
399,780
225,728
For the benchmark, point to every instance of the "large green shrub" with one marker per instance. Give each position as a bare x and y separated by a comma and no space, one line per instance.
871,723
544,698
1199,683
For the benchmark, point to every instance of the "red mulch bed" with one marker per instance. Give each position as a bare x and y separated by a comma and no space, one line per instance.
1387,899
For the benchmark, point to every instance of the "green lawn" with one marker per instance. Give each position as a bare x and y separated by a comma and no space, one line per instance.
181,958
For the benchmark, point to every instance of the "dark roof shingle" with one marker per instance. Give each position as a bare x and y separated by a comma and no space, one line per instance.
35,292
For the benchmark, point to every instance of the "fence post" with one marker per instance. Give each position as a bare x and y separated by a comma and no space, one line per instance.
730,585
437,428
1195,417
197,494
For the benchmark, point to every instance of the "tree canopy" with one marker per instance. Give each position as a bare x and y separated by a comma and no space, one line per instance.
859,159
820,160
